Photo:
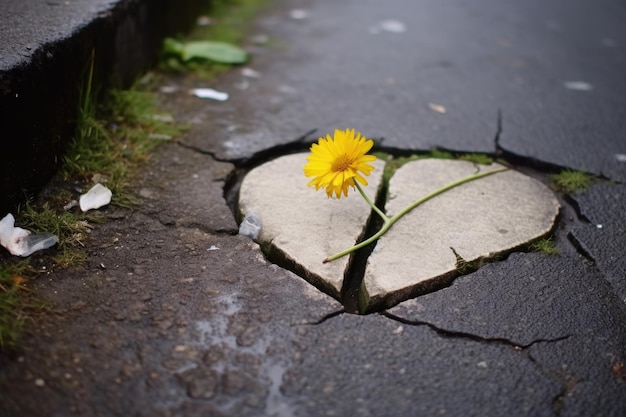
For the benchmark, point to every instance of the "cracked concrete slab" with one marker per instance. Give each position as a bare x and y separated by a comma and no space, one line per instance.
603,239
477,220
302,225
556,308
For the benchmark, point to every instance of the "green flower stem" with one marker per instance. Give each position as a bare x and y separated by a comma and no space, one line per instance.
389,221
371,204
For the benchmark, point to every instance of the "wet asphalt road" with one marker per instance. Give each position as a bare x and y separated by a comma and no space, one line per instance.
175,315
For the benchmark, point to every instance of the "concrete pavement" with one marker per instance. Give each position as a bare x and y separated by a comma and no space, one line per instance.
177,315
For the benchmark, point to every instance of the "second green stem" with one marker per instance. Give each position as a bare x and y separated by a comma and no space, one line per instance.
389,221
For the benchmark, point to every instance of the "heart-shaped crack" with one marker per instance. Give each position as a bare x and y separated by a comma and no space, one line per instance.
422,252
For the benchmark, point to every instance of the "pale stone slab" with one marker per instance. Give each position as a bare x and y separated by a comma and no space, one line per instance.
478,219
304,224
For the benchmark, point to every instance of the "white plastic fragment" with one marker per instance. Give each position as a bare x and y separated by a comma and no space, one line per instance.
437,107
578,85
210,94
22,242
621,157
390,25
298,14
250,226
213,247
96,197
70,205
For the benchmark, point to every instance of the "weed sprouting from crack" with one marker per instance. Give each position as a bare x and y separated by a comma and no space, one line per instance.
570,181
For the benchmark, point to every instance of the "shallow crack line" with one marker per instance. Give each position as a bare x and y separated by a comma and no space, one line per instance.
322,319
174,225
469,336
496,139
258,157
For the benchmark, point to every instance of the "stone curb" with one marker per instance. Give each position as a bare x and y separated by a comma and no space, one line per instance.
45,48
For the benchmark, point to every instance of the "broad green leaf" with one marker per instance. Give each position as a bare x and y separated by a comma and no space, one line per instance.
215,51
173,47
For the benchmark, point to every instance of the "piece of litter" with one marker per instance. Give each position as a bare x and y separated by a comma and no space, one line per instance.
621,157
159,136
398,330
578,86
70,205
40,382
213,247
298,14
599,226
482,364
438,108
393,26
22,242
250,73
210,94
96,197
389,25
250,226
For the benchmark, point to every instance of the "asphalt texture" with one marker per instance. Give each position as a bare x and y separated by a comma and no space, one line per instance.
177,315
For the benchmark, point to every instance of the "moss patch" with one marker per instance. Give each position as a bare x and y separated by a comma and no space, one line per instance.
569,181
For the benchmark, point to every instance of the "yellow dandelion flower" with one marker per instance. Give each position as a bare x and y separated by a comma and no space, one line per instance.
336,162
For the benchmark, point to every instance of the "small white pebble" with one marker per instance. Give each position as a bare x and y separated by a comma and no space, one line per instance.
298,14
599,226
40,382
578,86
399,330
482,364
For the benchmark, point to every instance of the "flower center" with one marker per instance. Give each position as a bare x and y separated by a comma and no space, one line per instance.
341,163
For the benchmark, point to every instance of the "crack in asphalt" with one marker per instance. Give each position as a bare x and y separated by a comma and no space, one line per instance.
470,336
323,318
257,158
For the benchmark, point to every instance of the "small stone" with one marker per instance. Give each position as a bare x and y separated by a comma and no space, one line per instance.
40,382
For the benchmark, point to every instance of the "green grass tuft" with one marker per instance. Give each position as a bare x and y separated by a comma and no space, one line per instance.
15,303
477,158
545,246
570,181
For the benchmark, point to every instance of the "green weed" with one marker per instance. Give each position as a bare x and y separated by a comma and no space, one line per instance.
545,246
570,181
230,21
